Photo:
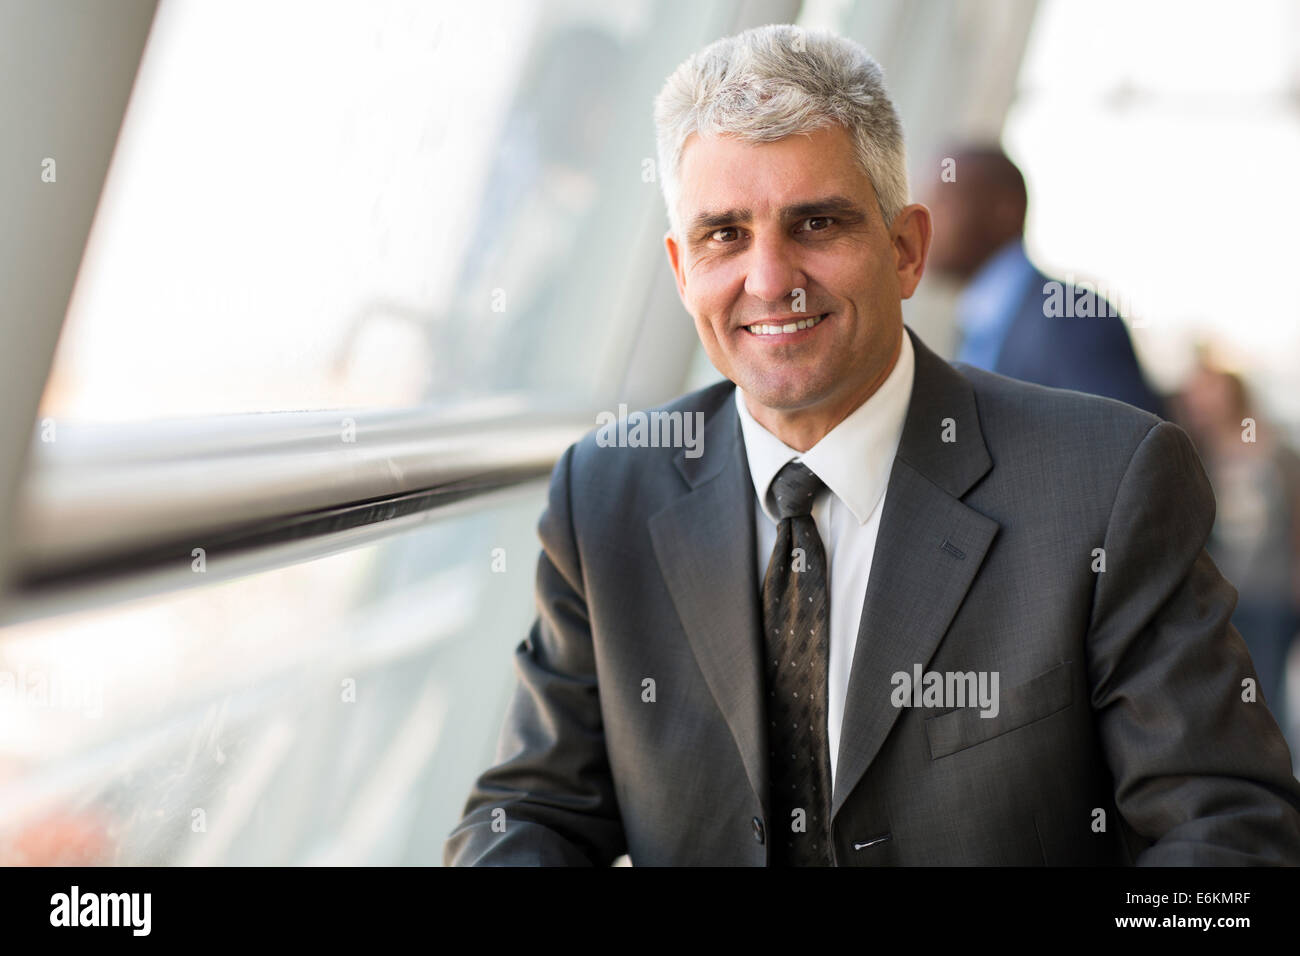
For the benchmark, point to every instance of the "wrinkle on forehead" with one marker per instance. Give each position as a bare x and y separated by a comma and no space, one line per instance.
726,174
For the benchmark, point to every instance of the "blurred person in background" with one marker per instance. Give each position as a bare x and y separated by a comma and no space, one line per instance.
1005,313
1256,535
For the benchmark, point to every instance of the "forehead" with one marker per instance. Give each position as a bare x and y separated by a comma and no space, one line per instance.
725,171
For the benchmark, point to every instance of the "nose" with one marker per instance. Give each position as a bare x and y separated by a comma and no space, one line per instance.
772,274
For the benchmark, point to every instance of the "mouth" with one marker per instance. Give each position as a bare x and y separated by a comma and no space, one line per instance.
787,330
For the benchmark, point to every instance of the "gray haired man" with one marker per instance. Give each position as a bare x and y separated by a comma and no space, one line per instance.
783,650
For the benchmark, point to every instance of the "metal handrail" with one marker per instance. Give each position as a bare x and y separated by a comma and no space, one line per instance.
105,501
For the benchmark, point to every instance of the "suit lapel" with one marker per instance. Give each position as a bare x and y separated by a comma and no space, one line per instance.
929,548
704,542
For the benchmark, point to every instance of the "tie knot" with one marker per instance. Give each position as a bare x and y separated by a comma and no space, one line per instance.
794,488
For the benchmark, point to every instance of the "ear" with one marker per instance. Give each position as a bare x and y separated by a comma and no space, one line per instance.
910,236
675,260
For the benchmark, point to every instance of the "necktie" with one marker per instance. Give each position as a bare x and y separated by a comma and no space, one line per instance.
796,628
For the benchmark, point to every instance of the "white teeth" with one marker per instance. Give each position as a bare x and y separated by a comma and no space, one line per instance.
781,329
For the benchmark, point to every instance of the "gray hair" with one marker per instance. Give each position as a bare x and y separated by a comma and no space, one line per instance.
776,81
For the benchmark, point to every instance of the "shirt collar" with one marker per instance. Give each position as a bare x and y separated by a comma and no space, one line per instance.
854,458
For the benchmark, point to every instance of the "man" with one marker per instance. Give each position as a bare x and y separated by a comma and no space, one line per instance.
1014,320
1042,668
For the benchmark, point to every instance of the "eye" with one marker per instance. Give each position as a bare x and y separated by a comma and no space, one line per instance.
816,224
717,233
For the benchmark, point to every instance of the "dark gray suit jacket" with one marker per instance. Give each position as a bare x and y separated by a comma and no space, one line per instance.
1122,735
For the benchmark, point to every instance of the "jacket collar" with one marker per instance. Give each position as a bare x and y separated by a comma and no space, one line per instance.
938,391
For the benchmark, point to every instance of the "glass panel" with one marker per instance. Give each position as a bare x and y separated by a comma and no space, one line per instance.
336,711
316,205
1129,120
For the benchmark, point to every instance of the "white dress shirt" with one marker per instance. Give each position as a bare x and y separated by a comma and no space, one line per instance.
854,460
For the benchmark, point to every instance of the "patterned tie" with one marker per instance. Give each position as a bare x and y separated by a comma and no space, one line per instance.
796,628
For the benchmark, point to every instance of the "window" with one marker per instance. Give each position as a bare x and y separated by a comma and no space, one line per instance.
401,206
332,711
320,205
1132,121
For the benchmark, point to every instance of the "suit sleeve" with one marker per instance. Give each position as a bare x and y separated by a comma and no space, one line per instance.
1201,775
549,799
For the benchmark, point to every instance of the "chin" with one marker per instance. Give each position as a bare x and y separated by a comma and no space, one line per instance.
785,398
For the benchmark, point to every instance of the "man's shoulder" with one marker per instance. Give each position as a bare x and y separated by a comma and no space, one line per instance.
644,443
1073,430
1020,399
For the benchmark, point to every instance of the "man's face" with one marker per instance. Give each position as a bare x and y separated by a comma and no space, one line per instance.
762,220
960,245
974,215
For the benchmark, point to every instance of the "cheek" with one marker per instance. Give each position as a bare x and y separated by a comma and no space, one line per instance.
704,329
863,283
711,294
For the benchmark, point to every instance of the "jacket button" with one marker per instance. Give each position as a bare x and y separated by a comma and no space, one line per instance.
758,830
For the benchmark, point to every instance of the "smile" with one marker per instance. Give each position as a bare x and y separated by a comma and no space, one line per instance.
787,328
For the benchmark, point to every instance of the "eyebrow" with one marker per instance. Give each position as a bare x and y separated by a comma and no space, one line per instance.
838,205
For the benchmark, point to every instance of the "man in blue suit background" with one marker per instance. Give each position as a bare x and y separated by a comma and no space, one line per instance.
1015,320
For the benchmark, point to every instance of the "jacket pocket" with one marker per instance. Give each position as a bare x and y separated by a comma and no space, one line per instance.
1035,699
